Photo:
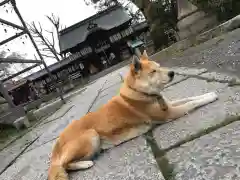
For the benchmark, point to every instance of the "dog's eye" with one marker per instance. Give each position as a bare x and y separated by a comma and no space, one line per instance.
153,71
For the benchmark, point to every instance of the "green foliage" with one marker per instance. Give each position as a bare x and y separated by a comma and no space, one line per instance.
159,36
162,17
225,9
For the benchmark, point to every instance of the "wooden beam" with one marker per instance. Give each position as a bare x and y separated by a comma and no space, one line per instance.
12,38
16,60
11,24
4,2
20,72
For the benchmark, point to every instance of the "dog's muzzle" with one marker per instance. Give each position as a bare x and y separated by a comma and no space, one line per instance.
171,74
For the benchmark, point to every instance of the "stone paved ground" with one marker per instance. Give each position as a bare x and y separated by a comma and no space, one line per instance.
202,145
220,54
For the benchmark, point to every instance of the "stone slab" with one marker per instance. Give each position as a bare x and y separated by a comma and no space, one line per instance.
30,166
74,93
213,156
21,145
220,77
8,154
177,79
3,108
48,109
123,71
115,88
59,113
129,161
118,83
115,77
21,123
111,82
105,96
188,71
228,104
2,100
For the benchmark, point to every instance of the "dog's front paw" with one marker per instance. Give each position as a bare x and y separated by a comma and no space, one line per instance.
213,96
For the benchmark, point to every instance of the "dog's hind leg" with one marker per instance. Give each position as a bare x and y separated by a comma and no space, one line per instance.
77,154
67,151
80,165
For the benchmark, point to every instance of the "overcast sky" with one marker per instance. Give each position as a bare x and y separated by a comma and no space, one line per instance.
70,12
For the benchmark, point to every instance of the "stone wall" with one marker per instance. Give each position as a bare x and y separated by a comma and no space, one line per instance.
194,40
196,23
192,21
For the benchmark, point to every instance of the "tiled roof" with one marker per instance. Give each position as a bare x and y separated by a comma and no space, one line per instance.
77,33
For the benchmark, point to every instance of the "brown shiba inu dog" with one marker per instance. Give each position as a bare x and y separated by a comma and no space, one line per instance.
125,116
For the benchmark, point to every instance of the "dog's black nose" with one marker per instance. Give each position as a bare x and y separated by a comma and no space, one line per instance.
171,74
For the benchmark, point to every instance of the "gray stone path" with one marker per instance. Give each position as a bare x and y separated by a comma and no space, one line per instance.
219,54
202,145
213,156
229,103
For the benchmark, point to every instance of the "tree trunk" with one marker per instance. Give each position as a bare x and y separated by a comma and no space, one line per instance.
158,19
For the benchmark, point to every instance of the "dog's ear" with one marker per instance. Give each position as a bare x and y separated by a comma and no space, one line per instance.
136,64
144,55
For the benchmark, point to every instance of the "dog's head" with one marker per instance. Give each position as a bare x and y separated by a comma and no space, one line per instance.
148,76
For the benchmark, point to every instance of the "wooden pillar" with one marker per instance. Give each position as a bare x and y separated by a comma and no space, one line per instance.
6,95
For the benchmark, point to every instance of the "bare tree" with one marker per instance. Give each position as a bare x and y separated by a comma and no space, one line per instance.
48,46
55,20
137,16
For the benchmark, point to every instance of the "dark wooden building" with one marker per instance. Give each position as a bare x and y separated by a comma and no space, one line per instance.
100,40
90,46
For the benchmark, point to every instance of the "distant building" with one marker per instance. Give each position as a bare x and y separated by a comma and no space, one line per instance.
92,45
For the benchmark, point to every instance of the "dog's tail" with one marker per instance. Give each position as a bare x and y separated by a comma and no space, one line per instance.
56,169
57,172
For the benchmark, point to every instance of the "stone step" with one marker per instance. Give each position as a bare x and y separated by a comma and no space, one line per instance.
175,132
131,160
21,122
213,156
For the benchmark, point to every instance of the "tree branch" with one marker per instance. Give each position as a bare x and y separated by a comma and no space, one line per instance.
38,32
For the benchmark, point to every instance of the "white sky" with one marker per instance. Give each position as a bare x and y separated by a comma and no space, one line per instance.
70,12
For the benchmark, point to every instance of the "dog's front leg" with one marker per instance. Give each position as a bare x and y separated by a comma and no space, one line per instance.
185,100
178,111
